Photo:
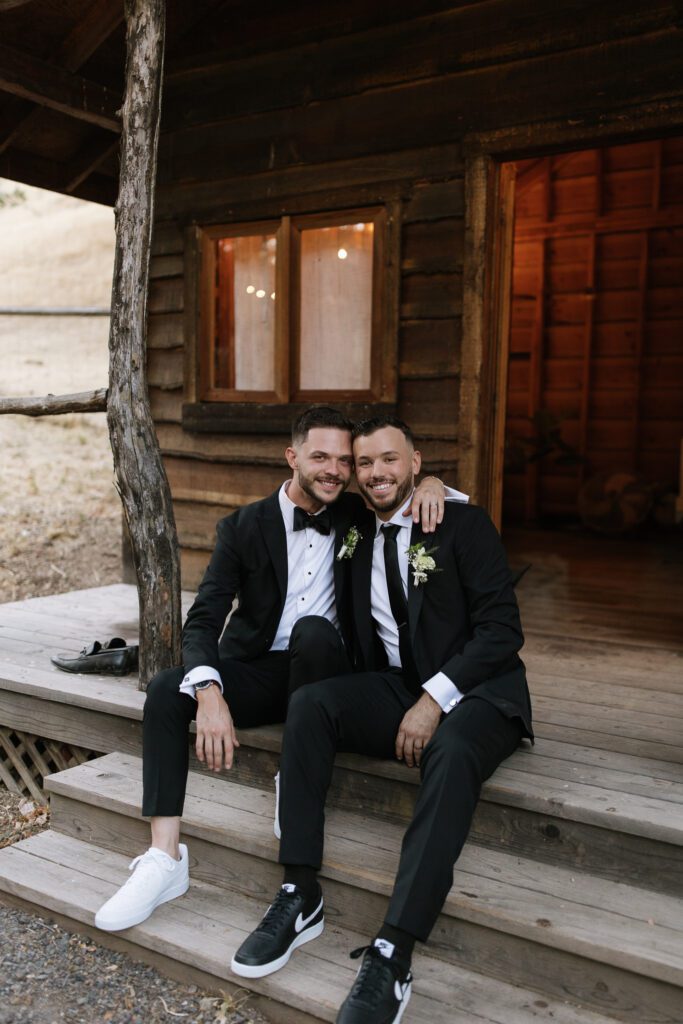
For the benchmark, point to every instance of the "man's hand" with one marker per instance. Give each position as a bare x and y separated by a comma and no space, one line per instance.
216,739
428,502
416,730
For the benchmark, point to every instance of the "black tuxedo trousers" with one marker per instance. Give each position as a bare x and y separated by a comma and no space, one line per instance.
362,713
257,693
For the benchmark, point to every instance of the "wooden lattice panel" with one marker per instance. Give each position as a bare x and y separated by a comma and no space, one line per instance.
25,760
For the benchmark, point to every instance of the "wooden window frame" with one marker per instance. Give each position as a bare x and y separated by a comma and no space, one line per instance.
204,402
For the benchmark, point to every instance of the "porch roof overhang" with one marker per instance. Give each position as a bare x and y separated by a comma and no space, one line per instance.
62,72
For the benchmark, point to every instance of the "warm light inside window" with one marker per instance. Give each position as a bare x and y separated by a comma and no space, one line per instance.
244,353
336,307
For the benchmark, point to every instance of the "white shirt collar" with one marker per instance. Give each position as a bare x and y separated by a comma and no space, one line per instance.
398,519
287,507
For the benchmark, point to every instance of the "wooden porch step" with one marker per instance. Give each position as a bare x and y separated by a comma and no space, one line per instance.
194,938
618,815
613,814
607,945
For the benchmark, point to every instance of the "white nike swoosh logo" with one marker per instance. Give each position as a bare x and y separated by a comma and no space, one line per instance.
300,924
400,990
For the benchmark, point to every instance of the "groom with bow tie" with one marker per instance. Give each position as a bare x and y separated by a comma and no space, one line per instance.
291,627
440,686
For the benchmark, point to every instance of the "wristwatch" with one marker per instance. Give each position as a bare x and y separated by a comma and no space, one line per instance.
205,685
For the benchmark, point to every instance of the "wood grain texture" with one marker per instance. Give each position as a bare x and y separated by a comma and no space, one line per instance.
480,898
55,405
197,931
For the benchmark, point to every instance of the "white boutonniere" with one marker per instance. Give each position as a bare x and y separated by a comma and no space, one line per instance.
349,543
421,562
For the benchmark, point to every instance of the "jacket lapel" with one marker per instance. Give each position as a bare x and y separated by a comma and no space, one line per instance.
415,594
273,529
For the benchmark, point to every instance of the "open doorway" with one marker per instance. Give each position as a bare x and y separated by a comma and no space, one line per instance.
594,422
595,381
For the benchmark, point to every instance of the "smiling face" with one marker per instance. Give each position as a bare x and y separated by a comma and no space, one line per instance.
322,467
386,465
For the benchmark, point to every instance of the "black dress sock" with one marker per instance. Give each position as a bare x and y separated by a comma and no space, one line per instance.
403,941
305,878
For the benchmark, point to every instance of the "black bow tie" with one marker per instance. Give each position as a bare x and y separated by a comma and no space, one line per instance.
321,522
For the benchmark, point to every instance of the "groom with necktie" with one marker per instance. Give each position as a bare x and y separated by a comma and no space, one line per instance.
440,686
278,558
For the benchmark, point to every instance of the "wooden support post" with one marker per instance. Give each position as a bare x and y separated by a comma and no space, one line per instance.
142,481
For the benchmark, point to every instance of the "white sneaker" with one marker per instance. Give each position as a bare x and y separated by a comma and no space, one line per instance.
276,823
157,878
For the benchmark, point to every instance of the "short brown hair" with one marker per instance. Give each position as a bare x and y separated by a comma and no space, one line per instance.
318,416
371,426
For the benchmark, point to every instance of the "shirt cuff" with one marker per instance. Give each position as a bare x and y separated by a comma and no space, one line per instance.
444,691
200,674
450,494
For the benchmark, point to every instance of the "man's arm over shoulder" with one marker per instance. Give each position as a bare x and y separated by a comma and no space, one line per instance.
214,600
491,602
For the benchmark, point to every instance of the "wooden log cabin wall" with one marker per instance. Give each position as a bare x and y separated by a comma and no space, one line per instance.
302,109
596,339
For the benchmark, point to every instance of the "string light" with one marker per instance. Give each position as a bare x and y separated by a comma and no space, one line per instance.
250,289
342,254
260,294
272,295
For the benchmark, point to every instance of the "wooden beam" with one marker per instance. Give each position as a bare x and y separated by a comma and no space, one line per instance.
36,170
92,29
54,311
620,220
88,161
97,24
140,472
32,170
51,86
55,405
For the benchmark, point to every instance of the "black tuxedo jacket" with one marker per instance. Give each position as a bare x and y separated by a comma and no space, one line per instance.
464,621
249,562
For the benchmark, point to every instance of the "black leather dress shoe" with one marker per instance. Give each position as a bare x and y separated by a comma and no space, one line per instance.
113,658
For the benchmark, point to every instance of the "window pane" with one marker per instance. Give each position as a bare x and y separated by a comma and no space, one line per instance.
245,313
336,308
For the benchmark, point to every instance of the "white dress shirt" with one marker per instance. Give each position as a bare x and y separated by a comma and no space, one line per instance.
440,687
310,586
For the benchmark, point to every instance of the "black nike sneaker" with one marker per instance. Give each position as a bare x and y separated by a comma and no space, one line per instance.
381,990
289,922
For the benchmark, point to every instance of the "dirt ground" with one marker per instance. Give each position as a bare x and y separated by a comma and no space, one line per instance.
60,521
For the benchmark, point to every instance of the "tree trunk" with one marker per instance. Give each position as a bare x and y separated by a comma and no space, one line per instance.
139,469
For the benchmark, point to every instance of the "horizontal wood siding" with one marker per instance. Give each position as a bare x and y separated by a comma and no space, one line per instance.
372,108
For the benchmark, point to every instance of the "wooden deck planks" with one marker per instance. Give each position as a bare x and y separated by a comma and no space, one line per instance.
617,692
204,927
617,924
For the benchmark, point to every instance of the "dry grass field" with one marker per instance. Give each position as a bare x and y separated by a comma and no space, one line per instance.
59,513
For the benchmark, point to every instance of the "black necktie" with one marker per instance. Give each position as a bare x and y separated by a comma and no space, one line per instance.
321,522
399,606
